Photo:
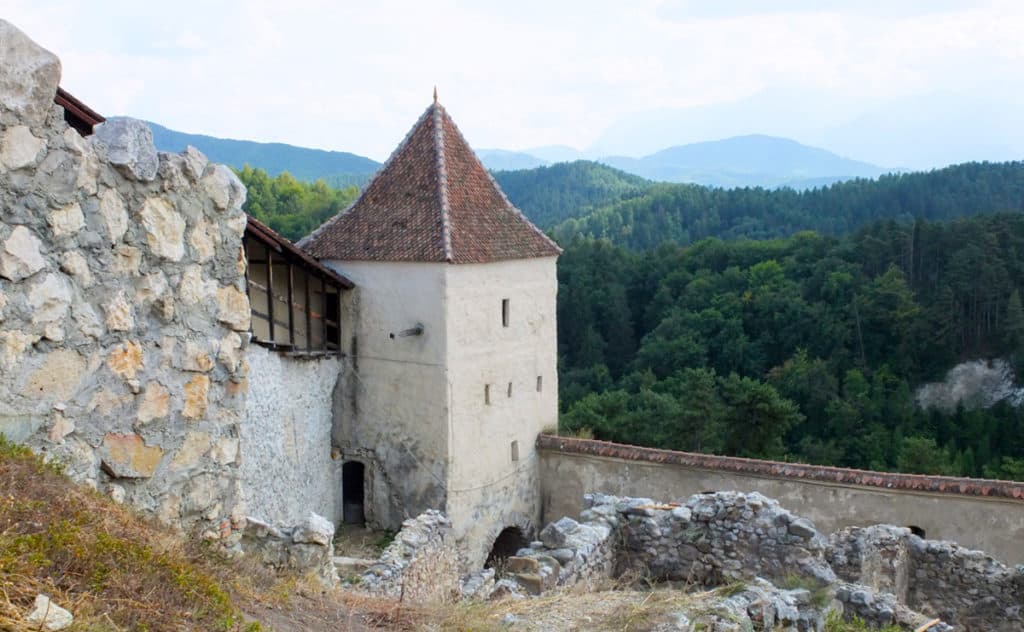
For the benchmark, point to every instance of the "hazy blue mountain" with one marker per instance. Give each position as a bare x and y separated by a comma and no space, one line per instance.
505,160
336,167
753,160
555,153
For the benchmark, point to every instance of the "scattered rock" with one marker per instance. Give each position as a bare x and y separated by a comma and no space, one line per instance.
47,614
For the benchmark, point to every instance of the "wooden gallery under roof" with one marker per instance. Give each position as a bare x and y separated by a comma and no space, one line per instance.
296,301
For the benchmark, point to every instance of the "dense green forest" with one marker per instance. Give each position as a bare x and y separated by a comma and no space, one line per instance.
550,195
291,207
804,348
756,339
685,213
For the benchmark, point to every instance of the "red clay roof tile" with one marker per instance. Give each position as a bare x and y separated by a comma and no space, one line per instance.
432,201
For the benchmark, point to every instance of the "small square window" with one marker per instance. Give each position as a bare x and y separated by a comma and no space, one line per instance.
510,389
515,451
504,312
487,394
540,383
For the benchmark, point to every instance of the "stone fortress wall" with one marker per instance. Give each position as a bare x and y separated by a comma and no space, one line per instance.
124,325
986,515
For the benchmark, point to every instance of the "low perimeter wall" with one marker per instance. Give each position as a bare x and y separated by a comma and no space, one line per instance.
978,514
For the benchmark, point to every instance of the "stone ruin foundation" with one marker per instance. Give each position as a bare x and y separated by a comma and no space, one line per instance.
789,575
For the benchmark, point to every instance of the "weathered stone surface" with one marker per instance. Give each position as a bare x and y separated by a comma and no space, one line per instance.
29,76
126,260
155,403
128,456
196,397
229,352
19,148
58,378
125,360
46,614
13,345
196,445
73,263
233,308
20,256
193,287
87,321
226,450
197,357
50,299
115,215
62,427
67,220
128,144
315,530
165,229
203,238
224,188
119,314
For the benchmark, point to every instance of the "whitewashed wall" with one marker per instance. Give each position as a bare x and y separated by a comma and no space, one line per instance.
488,491
287,467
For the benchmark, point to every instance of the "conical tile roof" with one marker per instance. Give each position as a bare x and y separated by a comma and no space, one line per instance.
432,201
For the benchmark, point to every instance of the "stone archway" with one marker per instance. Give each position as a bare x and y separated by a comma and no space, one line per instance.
505,545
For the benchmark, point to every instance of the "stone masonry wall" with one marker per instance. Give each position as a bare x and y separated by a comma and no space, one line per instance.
963,587
123,313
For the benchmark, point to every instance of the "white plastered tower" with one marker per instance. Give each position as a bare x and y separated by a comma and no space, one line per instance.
453,339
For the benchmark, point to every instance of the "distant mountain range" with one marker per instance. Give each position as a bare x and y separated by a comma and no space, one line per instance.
339,168
753,160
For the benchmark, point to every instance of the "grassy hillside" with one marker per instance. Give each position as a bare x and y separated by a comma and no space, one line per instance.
337,168
549,195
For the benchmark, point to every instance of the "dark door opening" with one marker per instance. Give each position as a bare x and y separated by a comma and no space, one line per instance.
352,475
506,545
916,530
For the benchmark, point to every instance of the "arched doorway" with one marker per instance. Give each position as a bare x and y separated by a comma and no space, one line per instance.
352,481
506,545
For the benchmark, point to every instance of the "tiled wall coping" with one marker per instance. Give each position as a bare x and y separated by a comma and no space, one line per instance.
776,469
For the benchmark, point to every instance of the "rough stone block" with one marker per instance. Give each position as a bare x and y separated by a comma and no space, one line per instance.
29,80
128,144
20,256
125,360
19,148
196,397
128,456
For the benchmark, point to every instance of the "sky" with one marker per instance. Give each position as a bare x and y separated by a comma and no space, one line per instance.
873,80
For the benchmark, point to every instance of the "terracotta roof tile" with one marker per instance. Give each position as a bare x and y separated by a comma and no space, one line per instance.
432,201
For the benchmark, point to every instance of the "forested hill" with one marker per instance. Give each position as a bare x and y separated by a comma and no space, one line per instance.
684,213
549,195
807,348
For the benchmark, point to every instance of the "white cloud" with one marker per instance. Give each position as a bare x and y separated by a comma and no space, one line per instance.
355,77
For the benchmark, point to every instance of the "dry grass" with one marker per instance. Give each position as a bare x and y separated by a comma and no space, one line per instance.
106,565
600,607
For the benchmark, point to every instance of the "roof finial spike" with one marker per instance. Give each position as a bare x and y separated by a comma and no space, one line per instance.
435,94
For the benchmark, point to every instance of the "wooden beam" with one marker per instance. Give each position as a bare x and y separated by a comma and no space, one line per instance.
270,294
323,304
291,308
309,322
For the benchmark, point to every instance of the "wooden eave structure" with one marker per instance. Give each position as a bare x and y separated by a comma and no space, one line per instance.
256,229
77,114
295,300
